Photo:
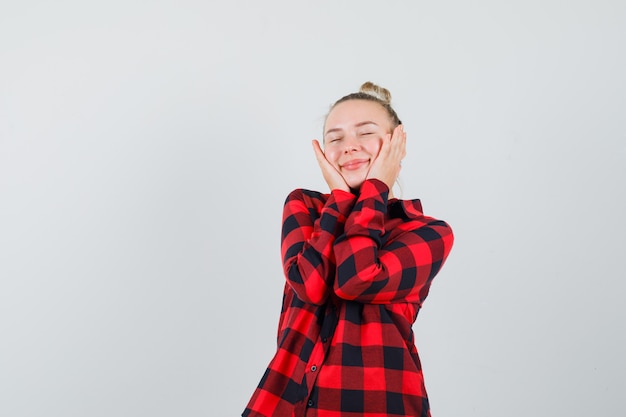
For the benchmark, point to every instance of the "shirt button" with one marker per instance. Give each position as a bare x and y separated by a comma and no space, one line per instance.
324,340
310,403
313,368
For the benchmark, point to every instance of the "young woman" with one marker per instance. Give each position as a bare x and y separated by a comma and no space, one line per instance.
358,265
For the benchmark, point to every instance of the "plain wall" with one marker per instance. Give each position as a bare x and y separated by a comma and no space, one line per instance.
146,149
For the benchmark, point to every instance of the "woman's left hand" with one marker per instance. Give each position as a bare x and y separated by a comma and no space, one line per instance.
386,167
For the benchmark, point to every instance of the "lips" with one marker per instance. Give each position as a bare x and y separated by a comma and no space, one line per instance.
354,164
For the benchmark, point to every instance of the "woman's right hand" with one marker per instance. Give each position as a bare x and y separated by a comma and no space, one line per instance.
333,178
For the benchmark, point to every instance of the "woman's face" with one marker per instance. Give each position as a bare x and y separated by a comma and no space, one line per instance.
353,135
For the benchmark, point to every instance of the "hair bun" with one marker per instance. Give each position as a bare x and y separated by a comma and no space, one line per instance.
377,91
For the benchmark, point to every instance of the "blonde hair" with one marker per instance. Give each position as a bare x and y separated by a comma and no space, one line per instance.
372,92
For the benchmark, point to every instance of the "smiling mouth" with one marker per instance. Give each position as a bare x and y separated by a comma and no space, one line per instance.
355,164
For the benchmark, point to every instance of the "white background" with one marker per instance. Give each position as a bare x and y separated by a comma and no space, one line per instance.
147,147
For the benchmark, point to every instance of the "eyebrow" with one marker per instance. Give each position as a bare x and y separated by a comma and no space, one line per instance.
360,124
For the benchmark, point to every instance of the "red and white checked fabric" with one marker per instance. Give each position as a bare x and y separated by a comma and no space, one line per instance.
358,268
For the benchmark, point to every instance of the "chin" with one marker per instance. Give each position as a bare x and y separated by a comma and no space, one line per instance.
355,179
355,185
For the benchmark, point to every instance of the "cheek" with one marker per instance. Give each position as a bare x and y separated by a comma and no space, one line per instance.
373,147
332,155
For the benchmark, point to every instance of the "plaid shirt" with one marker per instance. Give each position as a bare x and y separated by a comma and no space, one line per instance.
358,269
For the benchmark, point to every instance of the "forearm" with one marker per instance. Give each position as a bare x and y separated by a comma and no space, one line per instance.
399,269
307,242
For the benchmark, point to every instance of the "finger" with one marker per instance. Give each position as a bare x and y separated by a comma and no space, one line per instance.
395,142
386,140
319,154
316,146
403,142
321,157
397,137
397,131
399,140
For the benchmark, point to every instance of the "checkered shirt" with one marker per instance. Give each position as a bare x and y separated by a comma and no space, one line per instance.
358,268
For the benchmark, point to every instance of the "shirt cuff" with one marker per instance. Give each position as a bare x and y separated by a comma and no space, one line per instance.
374,188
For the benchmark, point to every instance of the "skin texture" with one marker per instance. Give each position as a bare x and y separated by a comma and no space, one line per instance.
359,144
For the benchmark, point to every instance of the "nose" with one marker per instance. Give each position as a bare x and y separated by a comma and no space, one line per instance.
351,144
